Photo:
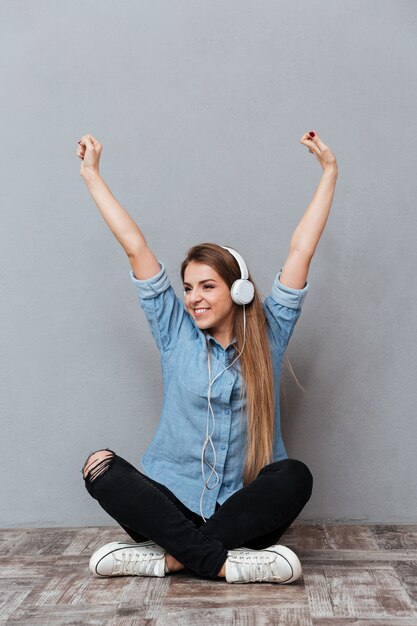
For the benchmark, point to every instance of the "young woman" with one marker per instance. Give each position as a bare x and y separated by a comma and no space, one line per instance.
221,354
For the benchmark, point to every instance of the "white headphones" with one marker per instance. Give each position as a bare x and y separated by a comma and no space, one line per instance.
242,292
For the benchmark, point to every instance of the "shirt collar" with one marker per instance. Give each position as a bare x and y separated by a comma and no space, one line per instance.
212,340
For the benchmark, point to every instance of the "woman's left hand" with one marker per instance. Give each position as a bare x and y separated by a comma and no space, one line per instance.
323,153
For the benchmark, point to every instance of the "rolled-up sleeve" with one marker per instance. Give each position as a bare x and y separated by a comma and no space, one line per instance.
167,318
283,308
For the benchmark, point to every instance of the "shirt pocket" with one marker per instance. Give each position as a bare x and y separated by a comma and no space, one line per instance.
192,377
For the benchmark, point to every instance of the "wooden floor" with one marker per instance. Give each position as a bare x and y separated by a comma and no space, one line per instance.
352,574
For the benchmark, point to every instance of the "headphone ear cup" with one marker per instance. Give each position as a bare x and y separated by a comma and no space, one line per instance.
242,291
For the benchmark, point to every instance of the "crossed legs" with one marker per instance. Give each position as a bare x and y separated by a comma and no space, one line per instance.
254,517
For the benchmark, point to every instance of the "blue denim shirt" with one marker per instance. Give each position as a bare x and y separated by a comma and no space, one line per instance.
173,457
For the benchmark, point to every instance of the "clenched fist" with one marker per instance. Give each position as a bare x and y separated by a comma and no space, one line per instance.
323,153
89,151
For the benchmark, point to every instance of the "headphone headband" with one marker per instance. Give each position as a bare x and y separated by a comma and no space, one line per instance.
242,265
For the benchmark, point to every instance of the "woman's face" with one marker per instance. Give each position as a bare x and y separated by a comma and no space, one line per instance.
205,289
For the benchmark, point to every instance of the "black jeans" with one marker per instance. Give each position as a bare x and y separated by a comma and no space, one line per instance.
254,517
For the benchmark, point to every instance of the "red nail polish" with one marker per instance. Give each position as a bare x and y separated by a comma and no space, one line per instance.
312,133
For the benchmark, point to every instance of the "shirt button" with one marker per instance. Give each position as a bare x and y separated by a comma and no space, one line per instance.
227,411
230,381
223,446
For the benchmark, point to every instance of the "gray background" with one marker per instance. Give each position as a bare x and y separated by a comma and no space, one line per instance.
200,107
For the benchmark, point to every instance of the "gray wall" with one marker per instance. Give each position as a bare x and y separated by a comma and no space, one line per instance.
200,107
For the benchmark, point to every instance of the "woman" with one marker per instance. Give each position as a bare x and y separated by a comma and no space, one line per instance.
223,326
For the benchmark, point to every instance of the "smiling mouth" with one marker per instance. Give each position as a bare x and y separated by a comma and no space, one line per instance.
200,312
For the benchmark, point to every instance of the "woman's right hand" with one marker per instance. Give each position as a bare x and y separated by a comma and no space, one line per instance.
89,151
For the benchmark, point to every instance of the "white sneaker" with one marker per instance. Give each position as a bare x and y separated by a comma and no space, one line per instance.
129,559
276,564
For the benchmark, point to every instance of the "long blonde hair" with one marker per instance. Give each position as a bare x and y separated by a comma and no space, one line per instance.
255,361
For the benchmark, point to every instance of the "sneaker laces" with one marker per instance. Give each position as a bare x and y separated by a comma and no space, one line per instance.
132,561
255,560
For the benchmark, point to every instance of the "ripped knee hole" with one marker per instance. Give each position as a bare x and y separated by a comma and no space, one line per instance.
91,470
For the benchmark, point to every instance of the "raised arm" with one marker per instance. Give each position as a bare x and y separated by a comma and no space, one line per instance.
123,227
310,228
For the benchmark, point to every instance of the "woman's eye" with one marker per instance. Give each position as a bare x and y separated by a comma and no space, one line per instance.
186,289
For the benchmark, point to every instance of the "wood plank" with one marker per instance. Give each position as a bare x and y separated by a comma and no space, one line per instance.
395,536
9,538
327,556
59,615
367,593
